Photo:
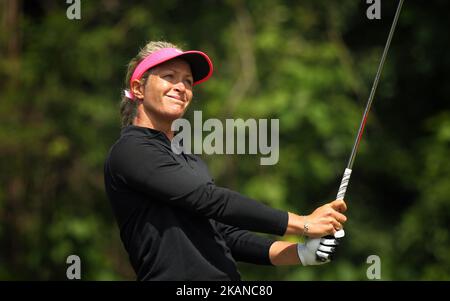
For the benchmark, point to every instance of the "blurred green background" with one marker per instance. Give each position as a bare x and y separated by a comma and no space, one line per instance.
308,63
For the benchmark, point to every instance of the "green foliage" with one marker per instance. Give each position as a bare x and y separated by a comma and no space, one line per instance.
308,63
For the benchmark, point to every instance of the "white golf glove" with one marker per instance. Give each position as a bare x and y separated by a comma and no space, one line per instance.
317,251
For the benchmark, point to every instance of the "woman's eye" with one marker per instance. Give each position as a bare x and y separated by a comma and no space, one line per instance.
168,75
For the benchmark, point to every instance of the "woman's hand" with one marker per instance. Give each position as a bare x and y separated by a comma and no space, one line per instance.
325,220
317,251
313,251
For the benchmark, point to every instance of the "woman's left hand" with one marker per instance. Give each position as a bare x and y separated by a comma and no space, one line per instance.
317,251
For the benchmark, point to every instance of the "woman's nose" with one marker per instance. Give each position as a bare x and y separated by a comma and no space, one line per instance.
179,86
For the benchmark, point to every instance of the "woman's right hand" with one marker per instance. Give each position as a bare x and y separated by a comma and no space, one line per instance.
325,220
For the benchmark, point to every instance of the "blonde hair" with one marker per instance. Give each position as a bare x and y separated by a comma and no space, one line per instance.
128,107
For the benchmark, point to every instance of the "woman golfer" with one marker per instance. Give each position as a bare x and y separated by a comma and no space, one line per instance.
174,222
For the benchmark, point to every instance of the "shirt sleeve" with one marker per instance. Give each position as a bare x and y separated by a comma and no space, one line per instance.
246,246
152,170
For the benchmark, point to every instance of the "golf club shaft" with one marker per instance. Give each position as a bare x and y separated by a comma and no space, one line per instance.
374,86
348,171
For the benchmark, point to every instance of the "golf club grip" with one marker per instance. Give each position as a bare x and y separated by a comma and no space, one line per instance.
344,183
340,196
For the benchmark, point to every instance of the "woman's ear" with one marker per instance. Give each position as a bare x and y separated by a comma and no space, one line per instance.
137,89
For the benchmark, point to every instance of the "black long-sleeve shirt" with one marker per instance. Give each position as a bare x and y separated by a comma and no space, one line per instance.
174,222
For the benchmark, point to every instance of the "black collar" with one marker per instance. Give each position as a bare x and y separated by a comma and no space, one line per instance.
139,131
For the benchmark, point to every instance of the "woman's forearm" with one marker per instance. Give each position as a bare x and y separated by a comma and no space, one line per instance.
284,253
295,224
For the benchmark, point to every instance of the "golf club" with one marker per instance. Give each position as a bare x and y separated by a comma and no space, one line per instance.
348,170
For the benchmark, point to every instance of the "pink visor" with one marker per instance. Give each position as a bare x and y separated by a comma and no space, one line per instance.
201,65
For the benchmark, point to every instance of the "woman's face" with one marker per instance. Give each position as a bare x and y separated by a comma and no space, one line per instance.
168,90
